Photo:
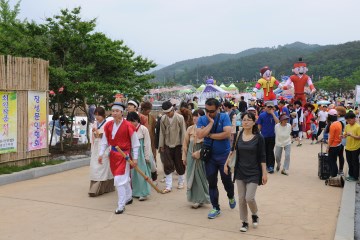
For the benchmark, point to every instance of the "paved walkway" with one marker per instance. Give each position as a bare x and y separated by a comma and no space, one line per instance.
298,206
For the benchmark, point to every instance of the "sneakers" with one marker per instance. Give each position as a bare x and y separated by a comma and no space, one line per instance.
142,198
180,186
350,179
312,143
299,145
232,203
341,173
270,170
284,172
244,227
128,202
120,210
213,213
255,220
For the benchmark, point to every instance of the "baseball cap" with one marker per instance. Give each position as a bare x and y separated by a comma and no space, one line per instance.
332,112
269,104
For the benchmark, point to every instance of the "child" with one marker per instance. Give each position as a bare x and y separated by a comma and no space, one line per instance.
314,131
282,141
295,128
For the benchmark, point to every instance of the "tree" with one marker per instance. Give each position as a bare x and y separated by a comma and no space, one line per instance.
88,66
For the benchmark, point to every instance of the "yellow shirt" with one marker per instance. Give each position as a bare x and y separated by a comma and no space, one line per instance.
352,144
316,107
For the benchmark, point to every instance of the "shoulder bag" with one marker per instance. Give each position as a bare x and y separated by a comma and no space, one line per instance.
205,151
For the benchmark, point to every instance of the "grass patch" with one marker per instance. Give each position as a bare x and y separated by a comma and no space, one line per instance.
34,164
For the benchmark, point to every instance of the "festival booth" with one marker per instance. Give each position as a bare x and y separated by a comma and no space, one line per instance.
211,91
201,88
24,86
232,89
223,87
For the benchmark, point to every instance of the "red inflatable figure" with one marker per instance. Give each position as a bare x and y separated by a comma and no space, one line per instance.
299,79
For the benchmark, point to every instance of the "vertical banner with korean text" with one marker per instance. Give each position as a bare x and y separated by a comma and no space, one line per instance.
37,138
357,93
8,122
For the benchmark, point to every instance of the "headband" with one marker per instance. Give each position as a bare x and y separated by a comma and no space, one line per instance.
168,110
133,103
118,107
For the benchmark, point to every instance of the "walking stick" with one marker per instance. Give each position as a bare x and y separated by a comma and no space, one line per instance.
127,158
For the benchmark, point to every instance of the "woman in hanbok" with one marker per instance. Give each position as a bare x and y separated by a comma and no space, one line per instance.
140,187
101,178
197,185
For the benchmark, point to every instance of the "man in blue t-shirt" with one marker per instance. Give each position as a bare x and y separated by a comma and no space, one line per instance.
266,123
215,128
283,109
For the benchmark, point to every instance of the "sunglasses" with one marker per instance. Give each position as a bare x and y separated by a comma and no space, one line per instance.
270,107
210,111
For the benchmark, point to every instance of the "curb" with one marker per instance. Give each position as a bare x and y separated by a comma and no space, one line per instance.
346,219
43,171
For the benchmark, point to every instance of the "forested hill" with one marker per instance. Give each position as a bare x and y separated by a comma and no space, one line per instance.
331,60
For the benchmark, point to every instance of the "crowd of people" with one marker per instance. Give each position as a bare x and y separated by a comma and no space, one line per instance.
195,144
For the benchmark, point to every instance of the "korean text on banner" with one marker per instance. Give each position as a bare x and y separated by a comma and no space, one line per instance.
357,93
8,122
37,138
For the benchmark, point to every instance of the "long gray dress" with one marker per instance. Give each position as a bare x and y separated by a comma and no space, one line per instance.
197,185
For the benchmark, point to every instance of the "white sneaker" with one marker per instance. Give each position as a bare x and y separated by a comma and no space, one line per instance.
180,186
255,220
120,210
244,227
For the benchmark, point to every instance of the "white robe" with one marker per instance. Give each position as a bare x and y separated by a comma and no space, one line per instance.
99,172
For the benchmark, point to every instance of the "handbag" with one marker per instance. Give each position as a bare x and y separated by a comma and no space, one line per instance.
232,155
337,181
205,151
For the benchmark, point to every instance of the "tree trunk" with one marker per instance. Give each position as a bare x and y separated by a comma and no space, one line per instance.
72,124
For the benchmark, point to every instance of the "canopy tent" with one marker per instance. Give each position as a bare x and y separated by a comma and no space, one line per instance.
232,87
186,90
172,89
199,89
223,87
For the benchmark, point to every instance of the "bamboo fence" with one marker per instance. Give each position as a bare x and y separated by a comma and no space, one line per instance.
22,75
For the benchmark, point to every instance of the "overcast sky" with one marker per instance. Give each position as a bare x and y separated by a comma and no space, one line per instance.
168,31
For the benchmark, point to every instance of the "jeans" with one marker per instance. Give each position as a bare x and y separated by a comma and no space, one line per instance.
269,149
352,157
278,153
246,198
212,167
341,158
333,153
322,126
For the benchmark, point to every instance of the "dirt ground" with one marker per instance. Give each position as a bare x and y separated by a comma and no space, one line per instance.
78,149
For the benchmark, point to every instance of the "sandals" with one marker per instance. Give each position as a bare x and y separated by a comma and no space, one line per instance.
165,191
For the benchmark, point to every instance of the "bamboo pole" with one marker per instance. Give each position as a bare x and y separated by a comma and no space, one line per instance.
138,169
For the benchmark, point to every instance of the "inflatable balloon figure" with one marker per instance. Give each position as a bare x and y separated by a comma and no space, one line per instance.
267,82
300,79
